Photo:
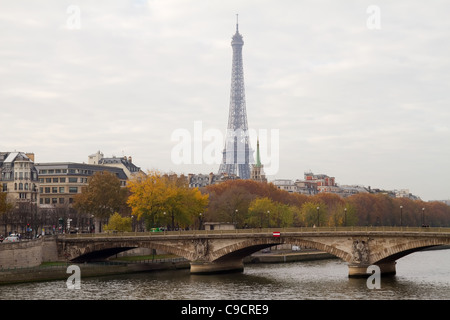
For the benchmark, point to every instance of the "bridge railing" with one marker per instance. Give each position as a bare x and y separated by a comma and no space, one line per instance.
262,231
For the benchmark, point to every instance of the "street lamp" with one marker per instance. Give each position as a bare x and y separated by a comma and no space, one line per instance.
401,216
200,216
423,217
318,221
345,216
268,218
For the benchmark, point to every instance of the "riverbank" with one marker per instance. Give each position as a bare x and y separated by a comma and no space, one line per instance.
59,272
282,256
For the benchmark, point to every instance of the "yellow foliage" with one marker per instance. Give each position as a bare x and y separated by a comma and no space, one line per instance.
157,197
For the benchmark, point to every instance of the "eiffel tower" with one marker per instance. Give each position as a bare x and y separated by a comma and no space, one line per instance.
237,154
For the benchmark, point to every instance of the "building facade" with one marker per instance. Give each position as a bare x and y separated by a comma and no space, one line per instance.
19,177
60,182
124,163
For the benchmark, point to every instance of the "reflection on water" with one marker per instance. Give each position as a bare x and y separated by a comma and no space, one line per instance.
421,275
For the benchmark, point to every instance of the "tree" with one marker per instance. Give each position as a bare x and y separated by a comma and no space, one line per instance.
5,208
313,216
259,212
102,196
5,205
182,204
165,200
265,213
118,223
230,206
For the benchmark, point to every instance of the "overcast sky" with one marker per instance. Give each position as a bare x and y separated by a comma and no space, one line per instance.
357,90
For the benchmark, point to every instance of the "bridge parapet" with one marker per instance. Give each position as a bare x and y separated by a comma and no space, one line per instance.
261,231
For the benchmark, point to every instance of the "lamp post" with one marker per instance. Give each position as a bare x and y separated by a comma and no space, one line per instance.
401,216
423,217
200,218
318,220
268,218
165,221
345,216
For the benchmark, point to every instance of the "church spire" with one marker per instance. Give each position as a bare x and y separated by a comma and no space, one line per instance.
258,159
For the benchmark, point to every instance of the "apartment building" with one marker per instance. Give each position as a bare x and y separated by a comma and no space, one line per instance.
60,182
19,177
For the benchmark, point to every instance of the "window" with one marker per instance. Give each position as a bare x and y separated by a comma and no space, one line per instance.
61,190
47,189
55,180
62,180
54,189
73,189
73,180
48,180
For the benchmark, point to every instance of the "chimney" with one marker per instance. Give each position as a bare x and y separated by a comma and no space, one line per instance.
30,155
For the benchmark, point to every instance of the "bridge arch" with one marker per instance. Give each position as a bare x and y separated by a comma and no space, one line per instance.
400,250
247,247
94,251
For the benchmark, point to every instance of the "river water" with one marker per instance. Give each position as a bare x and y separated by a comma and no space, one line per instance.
422,275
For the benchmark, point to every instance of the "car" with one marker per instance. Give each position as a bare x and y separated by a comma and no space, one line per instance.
295,248
12,238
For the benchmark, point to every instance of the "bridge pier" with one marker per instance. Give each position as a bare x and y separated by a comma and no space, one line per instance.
360,270
205,267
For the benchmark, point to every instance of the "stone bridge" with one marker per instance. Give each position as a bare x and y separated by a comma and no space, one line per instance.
223,251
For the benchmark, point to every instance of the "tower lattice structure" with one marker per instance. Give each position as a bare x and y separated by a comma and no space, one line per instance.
237,153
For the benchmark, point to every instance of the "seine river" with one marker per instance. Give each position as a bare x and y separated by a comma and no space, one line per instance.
422,275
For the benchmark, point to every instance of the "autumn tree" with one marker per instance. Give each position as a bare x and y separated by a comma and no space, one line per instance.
5,208
230,206
312,216
165,200
264,213
102,196
118,223
5,205
259,212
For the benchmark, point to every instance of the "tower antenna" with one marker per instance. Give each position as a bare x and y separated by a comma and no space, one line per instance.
237,22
